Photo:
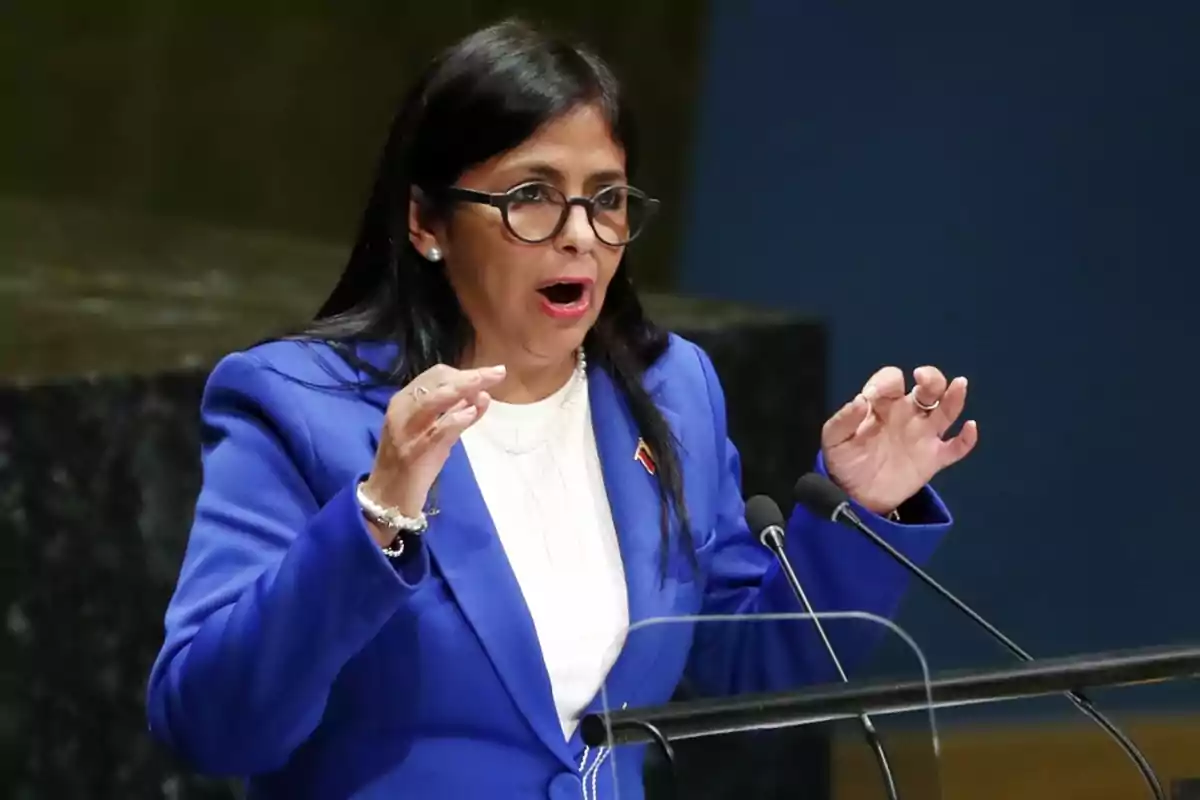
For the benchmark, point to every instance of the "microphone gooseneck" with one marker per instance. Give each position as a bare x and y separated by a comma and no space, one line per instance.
764,517
826,499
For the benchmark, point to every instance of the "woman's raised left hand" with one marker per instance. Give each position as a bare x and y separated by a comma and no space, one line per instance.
883,446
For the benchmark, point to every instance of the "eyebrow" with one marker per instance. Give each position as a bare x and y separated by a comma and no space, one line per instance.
550,173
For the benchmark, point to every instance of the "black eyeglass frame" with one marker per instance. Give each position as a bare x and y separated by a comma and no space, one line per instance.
502,200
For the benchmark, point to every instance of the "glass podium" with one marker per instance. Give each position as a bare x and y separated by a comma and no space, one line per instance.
764,713
738,658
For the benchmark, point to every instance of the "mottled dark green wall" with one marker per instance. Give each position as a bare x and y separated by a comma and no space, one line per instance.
128,126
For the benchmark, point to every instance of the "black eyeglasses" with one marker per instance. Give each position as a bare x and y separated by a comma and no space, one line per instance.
536,212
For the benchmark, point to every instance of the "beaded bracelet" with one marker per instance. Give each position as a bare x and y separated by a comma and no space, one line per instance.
390,519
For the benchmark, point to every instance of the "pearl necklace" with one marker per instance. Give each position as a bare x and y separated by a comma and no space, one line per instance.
570,394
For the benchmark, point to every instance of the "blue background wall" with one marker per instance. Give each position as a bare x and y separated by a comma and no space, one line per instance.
1008,190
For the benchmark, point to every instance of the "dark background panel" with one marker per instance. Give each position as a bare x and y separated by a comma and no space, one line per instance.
1007,190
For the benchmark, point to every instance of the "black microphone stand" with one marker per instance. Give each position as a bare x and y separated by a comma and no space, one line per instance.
772,539
844,514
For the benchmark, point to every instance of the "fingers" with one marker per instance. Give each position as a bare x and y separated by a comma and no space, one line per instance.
886,384
956,449
929,389
445,430
843,424
441,376
419,405
952,405
930,385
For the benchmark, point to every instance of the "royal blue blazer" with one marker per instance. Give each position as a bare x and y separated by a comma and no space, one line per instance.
301,658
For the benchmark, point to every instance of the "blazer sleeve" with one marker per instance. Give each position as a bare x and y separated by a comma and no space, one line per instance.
276,593
839,570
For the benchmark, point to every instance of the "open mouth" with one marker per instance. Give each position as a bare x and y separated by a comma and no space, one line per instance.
564,293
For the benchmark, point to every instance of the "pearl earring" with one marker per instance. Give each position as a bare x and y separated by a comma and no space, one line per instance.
434,254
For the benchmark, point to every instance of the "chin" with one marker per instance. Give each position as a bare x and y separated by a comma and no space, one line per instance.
549,347
552,340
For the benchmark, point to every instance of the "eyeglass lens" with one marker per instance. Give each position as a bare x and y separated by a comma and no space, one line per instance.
536,211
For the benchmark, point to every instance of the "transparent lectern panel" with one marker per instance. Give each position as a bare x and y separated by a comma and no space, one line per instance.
763,711
1044,746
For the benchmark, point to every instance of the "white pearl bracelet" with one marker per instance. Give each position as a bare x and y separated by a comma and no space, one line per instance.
391,519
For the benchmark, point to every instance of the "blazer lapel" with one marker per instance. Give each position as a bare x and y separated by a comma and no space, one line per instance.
633,497
463,542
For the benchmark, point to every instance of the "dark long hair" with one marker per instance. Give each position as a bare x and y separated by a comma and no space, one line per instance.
481,97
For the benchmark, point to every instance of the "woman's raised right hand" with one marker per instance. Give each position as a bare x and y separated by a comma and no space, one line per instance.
422,423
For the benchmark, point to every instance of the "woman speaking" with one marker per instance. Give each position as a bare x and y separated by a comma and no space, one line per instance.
427,522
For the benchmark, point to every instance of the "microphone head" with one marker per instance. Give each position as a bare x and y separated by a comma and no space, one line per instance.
819,495
762,513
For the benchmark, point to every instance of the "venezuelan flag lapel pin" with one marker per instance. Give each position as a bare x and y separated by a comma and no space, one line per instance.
644,457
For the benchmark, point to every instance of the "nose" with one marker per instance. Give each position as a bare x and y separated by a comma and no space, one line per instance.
576,235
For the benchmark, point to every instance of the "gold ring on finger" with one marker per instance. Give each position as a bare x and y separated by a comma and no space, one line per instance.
928,409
